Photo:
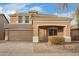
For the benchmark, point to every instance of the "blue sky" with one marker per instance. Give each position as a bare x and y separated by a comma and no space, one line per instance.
48,8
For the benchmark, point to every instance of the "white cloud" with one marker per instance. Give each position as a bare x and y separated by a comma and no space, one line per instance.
15,6
18,8
10,12
1,10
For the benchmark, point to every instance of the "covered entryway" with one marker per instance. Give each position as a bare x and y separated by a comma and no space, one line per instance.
47,31
46,21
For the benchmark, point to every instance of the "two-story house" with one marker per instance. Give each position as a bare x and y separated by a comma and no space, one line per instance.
36,27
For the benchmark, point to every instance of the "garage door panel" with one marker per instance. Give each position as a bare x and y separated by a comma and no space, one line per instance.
20,35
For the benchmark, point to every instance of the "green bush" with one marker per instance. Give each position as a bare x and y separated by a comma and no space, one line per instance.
56,40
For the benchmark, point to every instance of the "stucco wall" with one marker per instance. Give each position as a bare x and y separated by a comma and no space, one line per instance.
14,18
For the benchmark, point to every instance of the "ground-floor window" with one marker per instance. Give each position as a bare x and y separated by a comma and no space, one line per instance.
52,32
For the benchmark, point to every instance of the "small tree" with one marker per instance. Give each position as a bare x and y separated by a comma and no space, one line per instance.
77,16
63,6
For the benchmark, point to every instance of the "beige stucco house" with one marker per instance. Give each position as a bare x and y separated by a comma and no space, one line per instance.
36,27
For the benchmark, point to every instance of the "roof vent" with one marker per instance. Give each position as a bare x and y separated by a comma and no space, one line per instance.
33,12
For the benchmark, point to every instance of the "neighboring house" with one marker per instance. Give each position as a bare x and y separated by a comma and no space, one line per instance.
37,27
3,22
75,33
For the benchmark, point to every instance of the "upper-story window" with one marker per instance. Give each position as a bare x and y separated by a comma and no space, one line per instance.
19,19
26,19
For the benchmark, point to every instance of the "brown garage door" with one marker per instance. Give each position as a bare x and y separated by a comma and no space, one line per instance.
21,35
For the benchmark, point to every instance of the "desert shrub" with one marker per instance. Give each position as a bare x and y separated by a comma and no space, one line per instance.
56,40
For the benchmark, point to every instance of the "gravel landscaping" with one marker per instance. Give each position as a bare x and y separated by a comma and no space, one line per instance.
46,48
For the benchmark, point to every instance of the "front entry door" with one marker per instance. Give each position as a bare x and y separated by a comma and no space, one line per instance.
43,36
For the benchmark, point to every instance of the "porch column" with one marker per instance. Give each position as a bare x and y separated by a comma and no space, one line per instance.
35,34
67,34
6,34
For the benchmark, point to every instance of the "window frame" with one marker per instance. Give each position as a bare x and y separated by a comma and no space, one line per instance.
26,19
53,32
21,19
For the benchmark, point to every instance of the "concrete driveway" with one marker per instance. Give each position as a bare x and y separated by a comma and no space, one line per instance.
15,48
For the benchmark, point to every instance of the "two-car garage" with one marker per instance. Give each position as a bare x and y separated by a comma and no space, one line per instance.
20,32
20,35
